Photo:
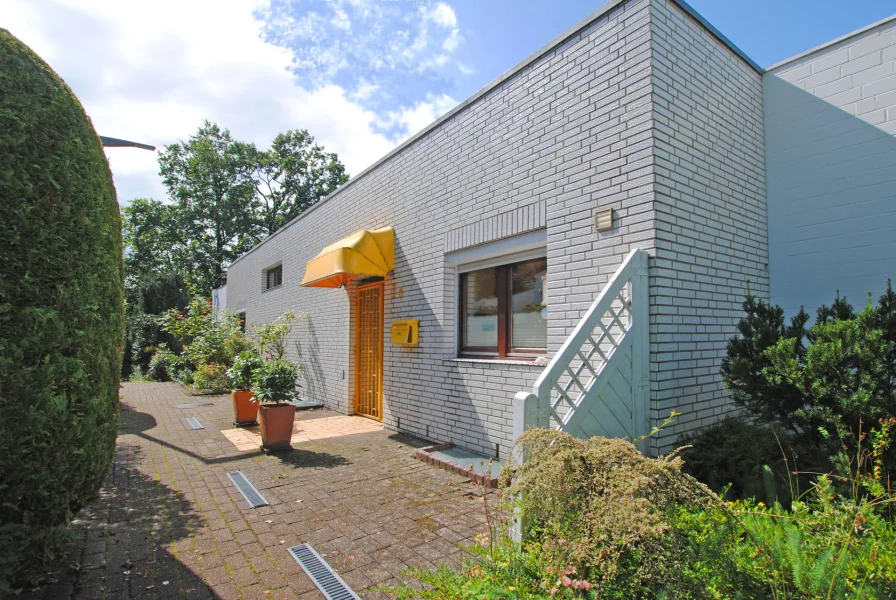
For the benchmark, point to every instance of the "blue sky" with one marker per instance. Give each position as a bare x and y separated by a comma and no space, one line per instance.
360,75
474,41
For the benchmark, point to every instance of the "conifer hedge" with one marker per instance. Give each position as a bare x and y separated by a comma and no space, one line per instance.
61,311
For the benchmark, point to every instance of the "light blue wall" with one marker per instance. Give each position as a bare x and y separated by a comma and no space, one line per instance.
830,120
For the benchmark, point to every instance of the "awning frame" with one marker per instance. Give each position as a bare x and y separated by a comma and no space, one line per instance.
366,253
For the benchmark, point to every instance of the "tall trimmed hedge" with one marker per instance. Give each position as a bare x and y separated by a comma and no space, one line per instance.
61,311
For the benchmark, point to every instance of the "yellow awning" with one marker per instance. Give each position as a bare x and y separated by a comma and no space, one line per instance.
365,253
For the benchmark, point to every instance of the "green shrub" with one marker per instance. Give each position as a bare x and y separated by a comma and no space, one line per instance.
160,364
834,541
606,522
244,368
61,311
749,460
206,340
275,381
845,375
211,379
180,369
816,388
606,518
271,337
146,298
506,572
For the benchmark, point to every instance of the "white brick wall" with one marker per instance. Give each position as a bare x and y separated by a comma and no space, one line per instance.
644,111
831,161
857,75
711,244
570,132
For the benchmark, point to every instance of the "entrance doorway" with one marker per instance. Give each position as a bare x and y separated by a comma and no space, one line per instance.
369,351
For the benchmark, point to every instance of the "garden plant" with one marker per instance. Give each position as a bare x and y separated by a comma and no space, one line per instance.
804,393
809,459
61,312
210,345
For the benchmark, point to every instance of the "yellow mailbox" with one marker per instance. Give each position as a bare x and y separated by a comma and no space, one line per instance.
405,333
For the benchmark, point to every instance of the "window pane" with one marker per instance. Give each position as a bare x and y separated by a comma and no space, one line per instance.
274,277
481,302
529,323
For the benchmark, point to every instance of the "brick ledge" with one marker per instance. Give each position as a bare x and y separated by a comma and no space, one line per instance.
424,455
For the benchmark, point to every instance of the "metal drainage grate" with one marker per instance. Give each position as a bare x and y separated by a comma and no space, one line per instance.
249,492
323,576
194,423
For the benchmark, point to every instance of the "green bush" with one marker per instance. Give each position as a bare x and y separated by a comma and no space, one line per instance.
206,340
271,337
211,379
275,381
835,541
838,374
748,460
180,369
244,368
160,364
146,298
609,523
608,519
821,388
61,311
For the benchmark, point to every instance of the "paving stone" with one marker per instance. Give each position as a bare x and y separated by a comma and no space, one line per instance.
168,512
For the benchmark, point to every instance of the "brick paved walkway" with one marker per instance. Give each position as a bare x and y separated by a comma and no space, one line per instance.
169,523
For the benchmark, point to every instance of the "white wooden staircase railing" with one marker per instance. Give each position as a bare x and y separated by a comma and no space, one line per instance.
597,382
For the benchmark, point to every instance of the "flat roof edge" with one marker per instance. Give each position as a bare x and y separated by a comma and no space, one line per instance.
718,34
830,43
565,37
495,83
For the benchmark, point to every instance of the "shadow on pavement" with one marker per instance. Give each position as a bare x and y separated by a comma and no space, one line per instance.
123,544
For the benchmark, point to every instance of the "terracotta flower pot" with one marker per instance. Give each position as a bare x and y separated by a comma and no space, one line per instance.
276,426
245,412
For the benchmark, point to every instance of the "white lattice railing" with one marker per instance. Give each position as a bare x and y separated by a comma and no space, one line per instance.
596,383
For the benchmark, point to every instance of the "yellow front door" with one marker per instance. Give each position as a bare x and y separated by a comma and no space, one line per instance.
369,352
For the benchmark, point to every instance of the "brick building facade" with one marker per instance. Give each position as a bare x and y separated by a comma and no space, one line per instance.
642,108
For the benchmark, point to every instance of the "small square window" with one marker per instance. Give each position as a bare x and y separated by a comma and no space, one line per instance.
274,277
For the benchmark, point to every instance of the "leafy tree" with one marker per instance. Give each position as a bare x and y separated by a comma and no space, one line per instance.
154,238
212,215
147,297
290,177
224,197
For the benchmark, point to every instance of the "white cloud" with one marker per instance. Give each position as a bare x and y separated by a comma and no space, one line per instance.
465,69
398,46
340,20
443,15
416,118
452,41
440,60
364,90
151,72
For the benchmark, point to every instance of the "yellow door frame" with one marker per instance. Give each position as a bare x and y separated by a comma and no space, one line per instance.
368,400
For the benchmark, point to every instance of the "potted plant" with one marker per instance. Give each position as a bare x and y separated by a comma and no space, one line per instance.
273,386
245,410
